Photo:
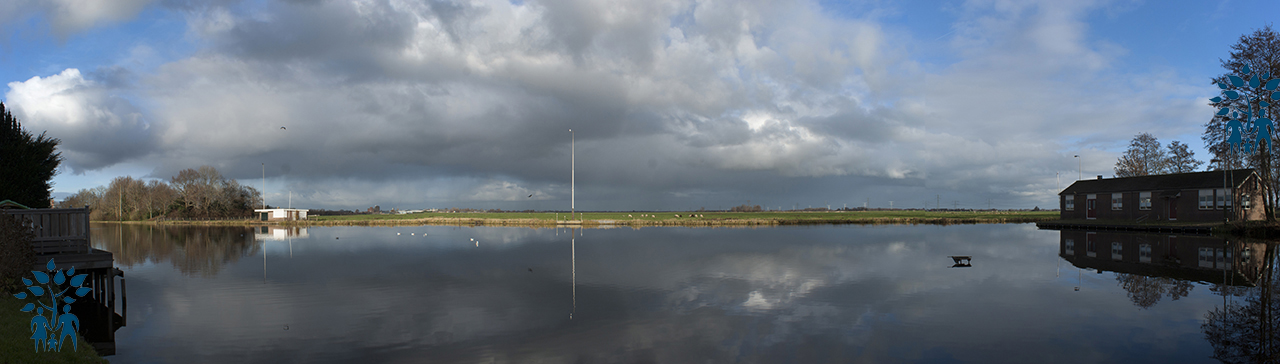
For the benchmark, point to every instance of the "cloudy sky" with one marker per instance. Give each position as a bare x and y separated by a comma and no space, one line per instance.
680,104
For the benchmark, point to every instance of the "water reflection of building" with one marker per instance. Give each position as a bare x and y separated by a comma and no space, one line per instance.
1184,257
279,233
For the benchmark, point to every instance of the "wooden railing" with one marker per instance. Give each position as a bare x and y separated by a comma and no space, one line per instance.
57,231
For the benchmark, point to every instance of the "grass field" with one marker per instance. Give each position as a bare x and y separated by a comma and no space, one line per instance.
16,345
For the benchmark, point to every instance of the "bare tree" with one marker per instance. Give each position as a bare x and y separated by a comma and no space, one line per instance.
1181,159
1259,52
159,197
1146,291
1246,332
1144,157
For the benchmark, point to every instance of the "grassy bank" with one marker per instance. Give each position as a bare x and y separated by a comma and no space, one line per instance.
1250,229
638,219
1240,229
16,345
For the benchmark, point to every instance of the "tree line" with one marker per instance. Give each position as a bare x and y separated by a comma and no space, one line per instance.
1146,157
201,193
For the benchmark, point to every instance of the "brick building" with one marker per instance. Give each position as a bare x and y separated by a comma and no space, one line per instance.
1196,196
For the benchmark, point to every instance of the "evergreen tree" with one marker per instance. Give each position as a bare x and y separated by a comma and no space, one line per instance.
27,163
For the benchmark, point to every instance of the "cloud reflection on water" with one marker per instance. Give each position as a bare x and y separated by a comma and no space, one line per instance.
789,294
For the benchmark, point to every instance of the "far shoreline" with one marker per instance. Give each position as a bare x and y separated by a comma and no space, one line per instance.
644,219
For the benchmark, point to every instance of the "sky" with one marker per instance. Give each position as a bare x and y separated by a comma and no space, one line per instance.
347,104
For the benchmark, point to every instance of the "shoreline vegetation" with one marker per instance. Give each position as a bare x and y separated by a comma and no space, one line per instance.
18,347
643,219
1235,229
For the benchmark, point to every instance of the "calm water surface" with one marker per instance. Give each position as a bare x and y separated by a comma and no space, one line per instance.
679,295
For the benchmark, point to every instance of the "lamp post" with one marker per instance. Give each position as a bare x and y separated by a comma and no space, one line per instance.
1080,168
1226,215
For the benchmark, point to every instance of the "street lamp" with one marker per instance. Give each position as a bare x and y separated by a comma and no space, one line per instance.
1080,169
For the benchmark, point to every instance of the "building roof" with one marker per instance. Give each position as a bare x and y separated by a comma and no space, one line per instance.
1177,181
10,204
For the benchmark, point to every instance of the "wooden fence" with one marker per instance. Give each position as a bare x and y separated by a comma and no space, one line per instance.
57,231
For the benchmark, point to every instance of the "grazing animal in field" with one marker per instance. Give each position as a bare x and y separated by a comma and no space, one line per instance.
677,215
628,215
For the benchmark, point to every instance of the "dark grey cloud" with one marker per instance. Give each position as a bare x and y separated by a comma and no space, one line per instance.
460,103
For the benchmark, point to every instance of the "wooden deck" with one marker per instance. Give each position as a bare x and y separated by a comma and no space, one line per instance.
57,231
63,235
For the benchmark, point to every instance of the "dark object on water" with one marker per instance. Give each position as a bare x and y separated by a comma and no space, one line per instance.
960,260
335,238
530,270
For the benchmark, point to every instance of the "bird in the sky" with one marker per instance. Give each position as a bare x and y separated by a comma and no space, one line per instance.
530,195
282,128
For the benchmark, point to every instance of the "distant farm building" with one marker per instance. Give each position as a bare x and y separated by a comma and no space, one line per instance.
280,214
1198,196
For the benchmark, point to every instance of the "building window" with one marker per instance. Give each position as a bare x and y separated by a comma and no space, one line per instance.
1245,202
1144,200
1144,253
1069,247
1206,199
1117,201
1205,257
1117,251
1069,202
1222,198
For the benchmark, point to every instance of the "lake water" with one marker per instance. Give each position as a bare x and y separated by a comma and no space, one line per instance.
837,294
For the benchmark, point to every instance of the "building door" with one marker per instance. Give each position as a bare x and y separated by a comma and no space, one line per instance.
1173,209
1090,208
264,216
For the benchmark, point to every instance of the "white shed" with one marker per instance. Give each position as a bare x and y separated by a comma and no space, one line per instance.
280,214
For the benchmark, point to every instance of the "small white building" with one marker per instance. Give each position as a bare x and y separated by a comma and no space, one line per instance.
280,214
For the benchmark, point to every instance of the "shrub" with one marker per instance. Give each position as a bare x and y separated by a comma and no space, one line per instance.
16,255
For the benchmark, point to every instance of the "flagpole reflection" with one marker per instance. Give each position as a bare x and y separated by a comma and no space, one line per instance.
573,259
